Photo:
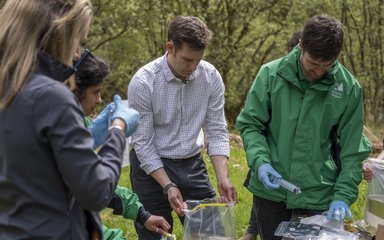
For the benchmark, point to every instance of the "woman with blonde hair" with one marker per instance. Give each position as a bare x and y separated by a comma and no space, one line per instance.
52,182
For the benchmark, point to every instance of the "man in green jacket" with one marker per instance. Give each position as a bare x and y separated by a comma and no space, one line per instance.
288,117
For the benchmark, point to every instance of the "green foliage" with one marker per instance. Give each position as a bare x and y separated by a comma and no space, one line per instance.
358,207
247,34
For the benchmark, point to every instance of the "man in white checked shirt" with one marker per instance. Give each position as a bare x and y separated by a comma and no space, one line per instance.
177,95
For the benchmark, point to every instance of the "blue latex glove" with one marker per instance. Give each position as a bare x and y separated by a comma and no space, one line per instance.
99,126
266,173
128,115
337,210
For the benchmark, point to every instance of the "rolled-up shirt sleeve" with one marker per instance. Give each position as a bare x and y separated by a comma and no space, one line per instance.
215,123
139,98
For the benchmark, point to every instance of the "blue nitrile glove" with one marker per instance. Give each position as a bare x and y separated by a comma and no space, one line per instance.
99,126
337,210
264,173
128,115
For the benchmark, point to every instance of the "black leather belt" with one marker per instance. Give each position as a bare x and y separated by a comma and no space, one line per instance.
182,159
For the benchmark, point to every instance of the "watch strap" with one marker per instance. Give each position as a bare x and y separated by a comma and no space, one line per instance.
167,187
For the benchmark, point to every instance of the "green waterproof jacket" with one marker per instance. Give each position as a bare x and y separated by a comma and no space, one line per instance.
125,203
289,127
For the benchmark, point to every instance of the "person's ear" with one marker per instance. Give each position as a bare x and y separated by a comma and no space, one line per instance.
77,54
170,47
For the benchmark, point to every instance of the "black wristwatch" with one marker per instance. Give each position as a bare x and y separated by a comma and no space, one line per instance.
167,187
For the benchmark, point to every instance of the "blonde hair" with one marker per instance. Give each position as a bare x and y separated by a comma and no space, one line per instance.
27,26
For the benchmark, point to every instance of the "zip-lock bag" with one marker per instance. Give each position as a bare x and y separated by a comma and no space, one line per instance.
207,219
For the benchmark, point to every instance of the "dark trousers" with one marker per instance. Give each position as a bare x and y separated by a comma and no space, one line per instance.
252,227
270,214
190,175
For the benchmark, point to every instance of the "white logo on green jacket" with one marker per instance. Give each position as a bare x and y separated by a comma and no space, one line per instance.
337,91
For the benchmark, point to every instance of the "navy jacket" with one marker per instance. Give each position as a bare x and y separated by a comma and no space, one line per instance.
52,183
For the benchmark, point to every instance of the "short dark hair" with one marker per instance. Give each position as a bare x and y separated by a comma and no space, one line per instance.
294,39
190,30
92,71
323,37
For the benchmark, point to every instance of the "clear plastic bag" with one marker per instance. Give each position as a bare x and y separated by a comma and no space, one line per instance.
335,224
208,219
302,231
169,236
297,230
374,213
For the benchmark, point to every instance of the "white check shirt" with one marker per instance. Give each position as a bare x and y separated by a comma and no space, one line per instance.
173,113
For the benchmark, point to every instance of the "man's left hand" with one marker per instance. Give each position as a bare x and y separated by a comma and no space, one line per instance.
226,190
337,210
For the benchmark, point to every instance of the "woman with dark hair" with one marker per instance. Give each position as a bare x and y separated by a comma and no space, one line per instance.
90,76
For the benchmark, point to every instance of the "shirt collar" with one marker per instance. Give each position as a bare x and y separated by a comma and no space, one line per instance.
168,74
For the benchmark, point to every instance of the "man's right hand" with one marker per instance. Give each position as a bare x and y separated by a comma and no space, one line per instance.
264,172
176,200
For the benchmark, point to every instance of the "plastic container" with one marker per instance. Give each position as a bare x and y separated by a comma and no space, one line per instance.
374,211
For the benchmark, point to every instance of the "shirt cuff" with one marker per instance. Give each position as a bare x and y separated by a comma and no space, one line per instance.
219,150
152,165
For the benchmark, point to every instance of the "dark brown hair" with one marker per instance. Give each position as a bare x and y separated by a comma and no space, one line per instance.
323,37
190,30
294,40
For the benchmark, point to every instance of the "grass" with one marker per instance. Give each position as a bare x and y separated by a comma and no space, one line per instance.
238,170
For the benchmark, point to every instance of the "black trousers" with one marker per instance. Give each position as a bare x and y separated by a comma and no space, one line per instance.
252,227
270,214
191,177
